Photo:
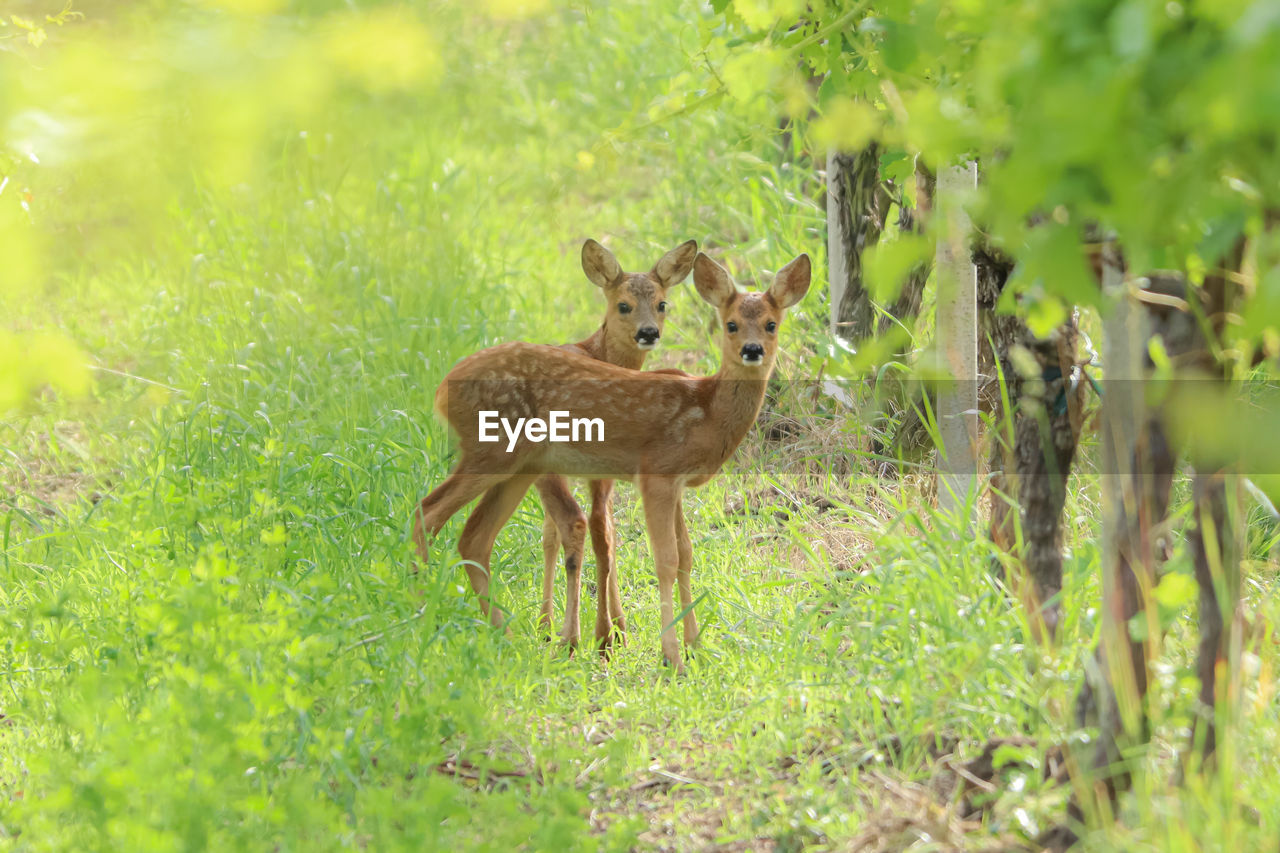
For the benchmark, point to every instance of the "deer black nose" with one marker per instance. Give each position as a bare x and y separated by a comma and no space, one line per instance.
647,335
752,353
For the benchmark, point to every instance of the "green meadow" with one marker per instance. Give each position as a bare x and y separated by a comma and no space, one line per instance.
235,278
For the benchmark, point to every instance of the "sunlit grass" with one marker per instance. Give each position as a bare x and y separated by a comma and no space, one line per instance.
214,635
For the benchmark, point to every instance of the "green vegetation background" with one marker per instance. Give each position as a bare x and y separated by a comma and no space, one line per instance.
272,230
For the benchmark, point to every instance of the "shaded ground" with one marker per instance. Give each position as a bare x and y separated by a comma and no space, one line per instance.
50,470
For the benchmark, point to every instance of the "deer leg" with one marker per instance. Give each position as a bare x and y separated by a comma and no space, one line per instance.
684,575
1218,576
550,551
570,525
660,496
574,537
462,486
610,622
571,633
476,543
616,616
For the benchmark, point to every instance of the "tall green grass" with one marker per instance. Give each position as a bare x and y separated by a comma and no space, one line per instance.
215,636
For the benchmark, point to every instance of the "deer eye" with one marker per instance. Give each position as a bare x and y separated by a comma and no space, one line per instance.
731,326
624,308
771,327
662,307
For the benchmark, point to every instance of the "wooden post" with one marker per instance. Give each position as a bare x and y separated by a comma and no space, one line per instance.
1122,415
1124,557
957,342
837,265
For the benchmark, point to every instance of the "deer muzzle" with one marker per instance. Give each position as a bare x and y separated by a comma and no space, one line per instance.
647,337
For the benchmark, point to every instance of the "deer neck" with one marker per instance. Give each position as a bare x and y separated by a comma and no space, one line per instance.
739,392
599,347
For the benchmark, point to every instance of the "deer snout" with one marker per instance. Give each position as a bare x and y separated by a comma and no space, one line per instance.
752,353
647,337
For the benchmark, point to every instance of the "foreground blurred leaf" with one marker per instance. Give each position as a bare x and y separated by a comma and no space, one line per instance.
385,49
847,124
1220,428
31,361
889,262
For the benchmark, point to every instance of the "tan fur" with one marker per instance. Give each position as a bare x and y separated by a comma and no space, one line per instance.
663,430
565,524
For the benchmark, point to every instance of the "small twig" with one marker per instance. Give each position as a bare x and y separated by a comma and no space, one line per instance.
665,779
113,561
586,772
674,777
461,768
1149,298
823,32
27,671
965,774
375,637
612,136
1261,497
102,369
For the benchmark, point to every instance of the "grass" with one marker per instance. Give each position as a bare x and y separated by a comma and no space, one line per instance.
213,633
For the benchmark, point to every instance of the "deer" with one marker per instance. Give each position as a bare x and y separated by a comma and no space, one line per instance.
635,312
663,430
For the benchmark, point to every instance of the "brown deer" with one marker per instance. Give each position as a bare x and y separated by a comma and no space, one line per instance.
664,431
636,309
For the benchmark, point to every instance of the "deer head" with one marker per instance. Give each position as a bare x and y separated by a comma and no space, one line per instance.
749,321
637,302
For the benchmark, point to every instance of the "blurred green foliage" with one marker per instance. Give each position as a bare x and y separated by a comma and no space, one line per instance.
1157,123
268,231
265,229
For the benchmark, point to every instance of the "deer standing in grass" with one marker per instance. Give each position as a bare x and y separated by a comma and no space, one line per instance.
635,313
663,430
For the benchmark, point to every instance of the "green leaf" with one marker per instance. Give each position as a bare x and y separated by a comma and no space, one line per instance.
1176,591
31,361
1262,312
848,124
1045,312
1054,261
1219,429
898,166
1269,485
748,74
888,263
768,14
1129,30
899,45
1007,754
1220,236
831,89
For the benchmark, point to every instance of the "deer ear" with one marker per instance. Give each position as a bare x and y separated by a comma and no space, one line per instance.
791,283
676,264
599,264
713,281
